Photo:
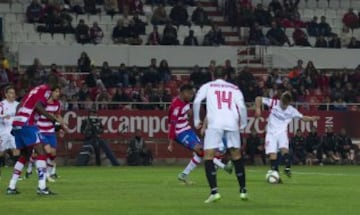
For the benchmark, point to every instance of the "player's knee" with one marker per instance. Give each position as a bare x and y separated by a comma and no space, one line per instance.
284,151
209,154
273,156
235,154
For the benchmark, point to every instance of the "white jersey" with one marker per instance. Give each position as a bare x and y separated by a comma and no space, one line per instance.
225,106
279,119
7,109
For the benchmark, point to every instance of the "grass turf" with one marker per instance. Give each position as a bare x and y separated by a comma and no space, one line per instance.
155,190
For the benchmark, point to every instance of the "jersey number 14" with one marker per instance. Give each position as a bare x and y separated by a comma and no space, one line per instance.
223,97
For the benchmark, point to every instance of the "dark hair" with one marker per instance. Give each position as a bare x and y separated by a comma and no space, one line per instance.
53,82
7,88
286,98
186,87
219,72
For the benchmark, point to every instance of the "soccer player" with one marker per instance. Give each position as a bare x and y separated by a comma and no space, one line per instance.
27,134
281,114
7,113
226,115
47,129
181,132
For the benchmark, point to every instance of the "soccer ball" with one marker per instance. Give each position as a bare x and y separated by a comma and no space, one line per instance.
272,177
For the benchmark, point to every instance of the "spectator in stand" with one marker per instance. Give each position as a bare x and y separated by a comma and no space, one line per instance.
139,25
179,14
354,43
169,35
298,148
106,75
103,98
70,89
164,71
300,37
262,16
313,27
313,147
120,96
350,19
154,37
82,32
111,7
159,16
255,147
346,147
350,94
4,79
246,17
324,28
96,33
136,7
84,63
277,36
34,12
339,105
199,76
214,37
77,6
90,7
337,92
330,146
229,70
191,40
134,36
35,68
276,8
335,42
256,35
120,33
166,97
199,16
321,42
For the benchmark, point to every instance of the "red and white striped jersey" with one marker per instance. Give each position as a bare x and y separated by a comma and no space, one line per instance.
45,125
178,117
7,114
26,113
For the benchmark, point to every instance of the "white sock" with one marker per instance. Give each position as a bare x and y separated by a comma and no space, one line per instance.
41,167
219,163
50,167
192,164
16,174
53,170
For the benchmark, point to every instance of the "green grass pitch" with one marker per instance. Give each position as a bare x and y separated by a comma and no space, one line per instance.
156,191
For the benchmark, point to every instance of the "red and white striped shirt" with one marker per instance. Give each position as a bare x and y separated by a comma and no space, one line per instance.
26,113
45,125
178,117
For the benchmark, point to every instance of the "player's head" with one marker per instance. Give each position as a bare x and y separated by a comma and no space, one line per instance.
219,73
285,100
10,94
55,93
53,82
187,92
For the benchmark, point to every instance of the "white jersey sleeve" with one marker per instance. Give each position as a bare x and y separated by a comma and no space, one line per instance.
240,104
296,114
200,96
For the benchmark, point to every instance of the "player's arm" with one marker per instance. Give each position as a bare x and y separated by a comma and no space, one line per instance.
200,96
39,107
310,118
173,116
240,104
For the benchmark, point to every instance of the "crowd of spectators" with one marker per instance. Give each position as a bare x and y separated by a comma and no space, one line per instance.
56,18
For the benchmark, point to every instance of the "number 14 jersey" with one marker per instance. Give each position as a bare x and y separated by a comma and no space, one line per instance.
225,105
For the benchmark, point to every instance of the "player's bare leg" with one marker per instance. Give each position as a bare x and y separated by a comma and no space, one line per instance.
287,160
49,162
239,171
41,167
211,176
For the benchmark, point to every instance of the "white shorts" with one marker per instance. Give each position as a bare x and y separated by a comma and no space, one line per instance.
274,142
7,141
214,139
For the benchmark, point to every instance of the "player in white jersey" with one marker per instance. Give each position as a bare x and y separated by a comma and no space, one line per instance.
281,114
226,115
7,112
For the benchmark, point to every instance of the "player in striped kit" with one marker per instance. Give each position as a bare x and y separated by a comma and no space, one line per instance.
47,129
181,132
7,113
27,134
